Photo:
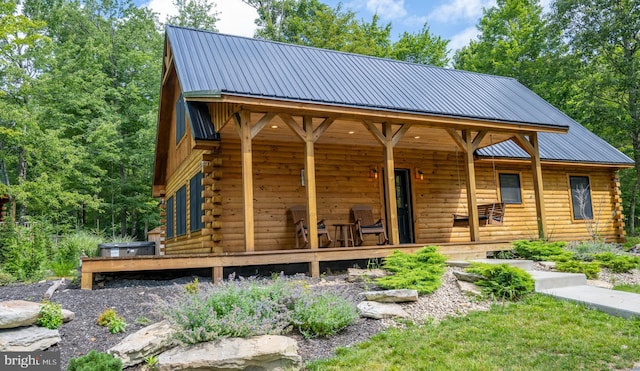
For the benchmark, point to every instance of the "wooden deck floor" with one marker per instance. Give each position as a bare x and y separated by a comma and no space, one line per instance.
217,262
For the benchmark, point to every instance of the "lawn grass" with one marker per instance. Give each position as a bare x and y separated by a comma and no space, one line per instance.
538,333
628,288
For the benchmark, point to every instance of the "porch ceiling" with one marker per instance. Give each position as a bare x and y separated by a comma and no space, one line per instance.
350,132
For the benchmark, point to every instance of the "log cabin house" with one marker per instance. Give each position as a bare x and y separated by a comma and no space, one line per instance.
249,128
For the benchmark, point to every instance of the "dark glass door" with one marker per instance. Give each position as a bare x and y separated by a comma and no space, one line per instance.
404,203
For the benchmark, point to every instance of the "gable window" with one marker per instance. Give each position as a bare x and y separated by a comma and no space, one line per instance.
180,119
581,197
510,190
170,217
195,202
181,211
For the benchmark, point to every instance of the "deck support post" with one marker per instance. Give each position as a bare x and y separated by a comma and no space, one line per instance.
86,281
531,146
217,274
470,173
243,122
390,184
310,182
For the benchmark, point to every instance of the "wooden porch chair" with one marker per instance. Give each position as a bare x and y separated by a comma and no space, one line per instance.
299,213
363,216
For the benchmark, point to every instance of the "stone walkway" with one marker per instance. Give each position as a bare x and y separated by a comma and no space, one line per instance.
573,287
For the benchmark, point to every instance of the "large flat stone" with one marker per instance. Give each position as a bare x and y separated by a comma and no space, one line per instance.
18,313
467,277
616,303
552,280
268,352
356,275
27,339
375,310
149,341
392,296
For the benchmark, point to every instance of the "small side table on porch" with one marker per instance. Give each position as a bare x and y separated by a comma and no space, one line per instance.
344,233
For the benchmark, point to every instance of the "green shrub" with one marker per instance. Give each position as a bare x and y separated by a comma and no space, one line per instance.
631,242
71,246
628,288
110,319
192,287
421,271
6,278
323,315
94,361
502,280
539,250
62,268
617,263
590,269
26,250
585,250
50,315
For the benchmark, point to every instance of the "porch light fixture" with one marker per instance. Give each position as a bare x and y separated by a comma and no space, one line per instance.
274,126
351,132
416,137
419,174
373,172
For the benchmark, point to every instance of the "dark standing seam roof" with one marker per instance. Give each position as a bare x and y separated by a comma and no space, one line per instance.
224,64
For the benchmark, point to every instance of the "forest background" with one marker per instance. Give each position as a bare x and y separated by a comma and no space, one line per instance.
80,82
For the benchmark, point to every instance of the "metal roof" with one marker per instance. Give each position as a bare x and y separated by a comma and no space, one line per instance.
213,63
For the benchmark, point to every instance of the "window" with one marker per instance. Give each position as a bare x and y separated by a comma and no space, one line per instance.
181,211
510,191
581,197
170,217
180,119
195,202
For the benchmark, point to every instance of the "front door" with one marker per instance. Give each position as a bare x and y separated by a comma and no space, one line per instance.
404,203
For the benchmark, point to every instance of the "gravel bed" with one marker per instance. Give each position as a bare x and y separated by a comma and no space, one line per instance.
133,298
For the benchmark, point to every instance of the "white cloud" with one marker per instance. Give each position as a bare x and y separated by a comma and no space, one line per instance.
235,18
387,9
460,10
462,38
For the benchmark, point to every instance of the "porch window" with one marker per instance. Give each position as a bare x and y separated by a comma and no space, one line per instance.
581,197
181,211
510,190
180,119
195,202
170,217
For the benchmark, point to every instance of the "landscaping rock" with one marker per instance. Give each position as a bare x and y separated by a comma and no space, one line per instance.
467,277
18,313
392,296
548,265
458,263
27,339
469,288
375,310
356,275
267,352
149,341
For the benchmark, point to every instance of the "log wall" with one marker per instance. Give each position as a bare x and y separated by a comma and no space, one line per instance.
342,175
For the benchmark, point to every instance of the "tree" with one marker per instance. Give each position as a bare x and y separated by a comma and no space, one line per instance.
198,14
605,36
422,48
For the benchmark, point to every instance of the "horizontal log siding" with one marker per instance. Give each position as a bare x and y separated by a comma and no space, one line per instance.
342,176
191,242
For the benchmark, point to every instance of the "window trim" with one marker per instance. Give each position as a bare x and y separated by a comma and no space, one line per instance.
197,194
170,224
573,216
499,186
181,212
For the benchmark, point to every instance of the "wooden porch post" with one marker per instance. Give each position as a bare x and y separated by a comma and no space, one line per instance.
310,185
532,147
390,184
470,173
244,129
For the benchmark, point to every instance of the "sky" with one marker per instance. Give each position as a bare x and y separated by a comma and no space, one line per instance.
453,20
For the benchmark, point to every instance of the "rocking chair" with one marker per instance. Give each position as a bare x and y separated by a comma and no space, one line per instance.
299,214
363,216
